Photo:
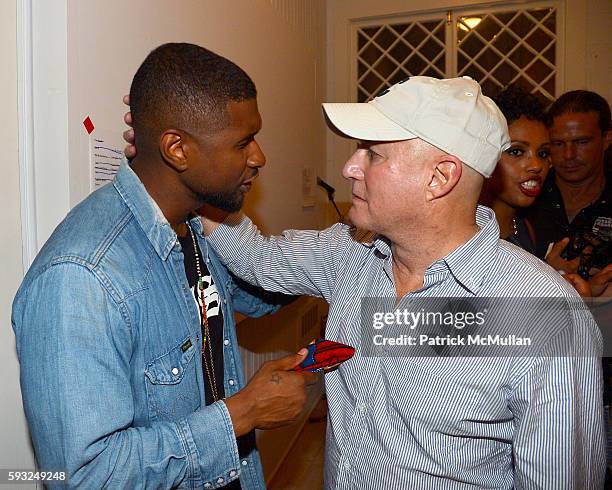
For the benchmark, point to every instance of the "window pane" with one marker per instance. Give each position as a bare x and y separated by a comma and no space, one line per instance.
415,35
385,38
495,48
412,48
524,41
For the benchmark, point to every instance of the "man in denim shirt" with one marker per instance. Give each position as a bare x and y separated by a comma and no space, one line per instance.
130,370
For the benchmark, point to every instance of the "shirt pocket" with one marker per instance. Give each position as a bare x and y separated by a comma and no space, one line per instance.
171,383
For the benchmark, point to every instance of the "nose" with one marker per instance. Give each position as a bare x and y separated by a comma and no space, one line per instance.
569,151
536,163
256,158
353,168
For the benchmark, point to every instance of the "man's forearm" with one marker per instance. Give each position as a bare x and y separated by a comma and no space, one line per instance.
296,262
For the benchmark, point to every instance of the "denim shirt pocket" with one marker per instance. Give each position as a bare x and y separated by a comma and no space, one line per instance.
171,383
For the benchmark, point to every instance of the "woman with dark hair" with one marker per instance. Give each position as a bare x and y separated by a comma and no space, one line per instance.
519,174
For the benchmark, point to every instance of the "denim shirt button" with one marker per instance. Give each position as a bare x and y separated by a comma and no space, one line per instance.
231,382
175,371
244,462
226,342
207,485
232,473
220,480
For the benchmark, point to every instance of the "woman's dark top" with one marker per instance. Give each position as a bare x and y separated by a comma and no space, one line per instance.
521,237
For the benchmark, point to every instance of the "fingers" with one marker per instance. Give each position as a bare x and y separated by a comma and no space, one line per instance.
600,281
558,247
603,276
554,259
128,136
127,118
606,270
128,115
579,284
287,363
129,151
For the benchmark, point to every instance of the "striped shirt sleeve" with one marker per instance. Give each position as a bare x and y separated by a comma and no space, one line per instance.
296,262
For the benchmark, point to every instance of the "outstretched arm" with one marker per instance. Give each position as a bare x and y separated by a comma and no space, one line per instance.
296,262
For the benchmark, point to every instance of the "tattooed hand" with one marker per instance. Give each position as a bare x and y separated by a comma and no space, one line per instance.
274,397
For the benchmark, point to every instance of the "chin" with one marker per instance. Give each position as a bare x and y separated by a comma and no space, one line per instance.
518,200
230,203
355,218
572,176
525,202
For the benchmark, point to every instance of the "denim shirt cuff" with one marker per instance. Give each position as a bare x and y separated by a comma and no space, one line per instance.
211,446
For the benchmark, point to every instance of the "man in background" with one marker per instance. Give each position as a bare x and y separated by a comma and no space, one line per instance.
130,369
572,217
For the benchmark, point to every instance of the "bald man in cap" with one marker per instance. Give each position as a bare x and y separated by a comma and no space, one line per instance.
404,414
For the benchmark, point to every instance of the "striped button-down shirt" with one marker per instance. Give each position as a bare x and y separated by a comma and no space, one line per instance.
440,422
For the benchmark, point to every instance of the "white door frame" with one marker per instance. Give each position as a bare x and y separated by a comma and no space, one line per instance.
26,130
42,90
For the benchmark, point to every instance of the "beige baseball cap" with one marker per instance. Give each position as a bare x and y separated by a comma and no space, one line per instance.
452,114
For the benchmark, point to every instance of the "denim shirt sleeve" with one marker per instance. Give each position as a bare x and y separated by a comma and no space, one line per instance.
249,304
74,344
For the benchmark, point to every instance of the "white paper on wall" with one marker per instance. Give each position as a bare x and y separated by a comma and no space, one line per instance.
105,155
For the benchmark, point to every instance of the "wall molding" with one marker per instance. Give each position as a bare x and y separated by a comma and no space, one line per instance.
25,111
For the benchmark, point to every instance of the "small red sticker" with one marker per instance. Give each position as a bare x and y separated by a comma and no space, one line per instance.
89,127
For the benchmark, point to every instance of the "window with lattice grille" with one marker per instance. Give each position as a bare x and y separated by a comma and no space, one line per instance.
497,47
389,53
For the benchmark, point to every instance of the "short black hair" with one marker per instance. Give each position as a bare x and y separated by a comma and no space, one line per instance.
184,86
515,102
582,101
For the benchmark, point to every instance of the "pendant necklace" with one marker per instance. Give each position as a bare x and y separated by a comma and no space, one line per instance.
200,285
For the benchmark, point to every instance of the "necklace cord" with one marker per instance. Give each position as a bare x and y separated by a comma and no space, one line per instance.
208,362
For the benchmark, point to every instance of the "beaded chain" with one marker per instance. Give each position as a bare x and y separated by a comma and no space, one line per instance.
208,362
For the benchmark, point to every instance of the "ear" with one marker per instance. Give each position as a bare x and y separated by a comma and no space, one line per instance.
174,149
607,139
445,174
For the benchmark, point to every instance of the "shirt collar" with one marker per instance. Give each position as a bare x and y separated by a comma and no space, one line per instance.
469,263
145,210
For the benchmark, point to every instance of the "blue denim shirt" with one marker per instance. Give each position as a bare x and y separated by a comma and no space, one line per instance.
108,339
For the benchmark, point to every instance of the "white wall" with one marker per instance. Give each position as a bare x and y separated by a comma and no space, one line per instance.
15,449
586,52
599,48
